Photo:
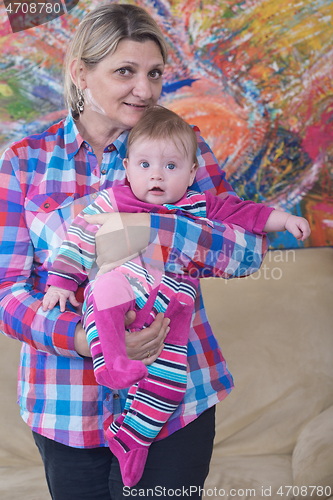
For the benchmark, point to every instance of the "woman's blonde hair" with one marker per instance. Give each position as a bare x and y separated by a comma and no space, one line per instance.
98,35
158,122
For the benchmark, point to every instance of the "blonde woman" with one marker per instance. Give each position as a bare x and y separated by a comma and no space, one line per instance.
113,72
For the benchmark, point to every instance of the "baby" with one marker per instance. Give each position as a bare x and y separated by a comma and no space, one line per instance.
160,166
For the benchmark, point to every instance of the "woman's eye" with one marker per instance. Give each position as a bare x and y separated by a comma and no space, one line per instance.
144,164
155,74
123,71
171,166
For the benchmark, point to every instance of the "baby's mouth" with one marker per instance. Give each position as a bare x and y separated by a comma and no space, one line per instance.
156,188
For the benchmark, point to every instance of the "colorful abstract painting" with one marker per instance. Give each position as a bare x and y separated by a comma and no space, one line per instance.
256,77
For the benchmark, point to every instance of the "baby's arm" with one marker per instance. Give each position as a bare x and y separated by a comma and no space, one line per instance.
255,217
55,294
279,221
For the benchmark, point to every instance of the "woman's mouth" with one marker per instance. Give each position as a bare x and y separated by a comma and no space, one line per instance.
140,107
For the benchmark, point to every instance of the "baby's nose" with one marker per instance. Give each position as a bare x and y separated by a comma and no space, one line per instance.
156,174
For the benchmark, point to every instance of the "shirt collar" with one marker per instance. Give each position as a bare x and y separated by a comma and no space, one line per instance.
73,140
121,143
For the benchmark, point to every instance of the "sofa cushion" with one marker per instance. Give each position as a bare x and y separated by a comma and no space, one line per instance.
312,460
245,477
23,482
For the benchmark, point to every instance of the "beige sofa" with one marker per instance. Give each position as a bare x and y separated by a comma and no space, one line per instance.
275,430
274,433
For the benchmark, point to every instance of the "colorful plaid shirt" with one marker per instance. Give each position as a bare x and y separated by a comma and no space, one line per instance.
45,180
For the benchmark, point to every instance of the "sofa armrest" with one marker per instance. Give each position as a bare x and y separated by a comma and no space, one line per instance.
313,458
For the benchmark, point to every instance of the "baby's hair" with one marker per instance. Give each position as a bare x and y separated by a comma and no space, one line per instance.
158,122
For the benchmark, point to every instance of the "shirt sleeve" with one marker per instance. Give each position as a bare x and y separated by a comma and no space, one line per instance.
202,248
249,215
21,315
76,255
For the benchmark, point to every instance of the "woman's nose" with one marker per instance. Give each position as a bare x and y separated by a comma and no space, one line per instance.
142,88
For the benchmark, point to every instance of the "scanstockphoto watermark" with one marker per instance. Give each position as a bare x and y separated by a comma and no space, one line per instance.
161,491
270,270
236,263
263,492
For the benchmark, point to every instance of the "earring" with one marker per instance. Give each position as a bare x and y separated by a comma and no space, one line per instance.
80,102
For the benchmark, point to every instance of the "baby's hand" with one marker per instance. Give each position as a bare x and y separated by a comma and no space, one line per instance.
55,295
298,227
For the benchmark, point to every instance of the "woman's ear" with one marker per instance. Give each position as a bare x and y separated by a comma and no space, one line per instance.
78,75
192,173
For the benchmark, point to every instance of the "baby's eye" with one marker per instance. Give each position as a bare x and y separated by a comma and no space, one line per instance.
144,164
171,166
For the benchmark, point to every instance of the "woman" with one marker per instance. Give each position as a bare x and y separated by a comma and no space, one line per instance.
113,72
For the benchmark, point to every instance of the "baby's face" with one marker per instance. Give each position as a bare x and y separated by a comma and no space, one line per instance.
158,171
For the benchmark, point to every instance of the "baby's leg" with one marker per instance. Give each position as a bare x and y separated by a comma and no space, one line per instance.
146,411
152,402
108,299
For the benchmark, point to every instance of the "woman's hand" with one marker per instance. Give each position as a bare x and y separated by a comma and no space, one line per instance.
121,237
145,345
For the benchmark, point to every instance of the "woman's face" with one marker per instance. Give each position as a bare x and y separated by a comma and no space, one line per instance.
122,85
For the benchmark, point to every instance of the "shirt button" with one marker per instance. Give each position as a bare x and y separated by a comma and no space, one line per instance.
95,195
46,205
111,148
104,171
86,145
116,396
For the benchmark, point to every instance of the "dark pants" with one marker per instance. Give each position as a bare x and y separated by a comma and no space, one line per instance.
179,463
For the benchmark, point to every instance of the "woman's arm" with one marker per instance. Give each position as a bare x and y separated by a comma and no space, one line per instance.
203,250
21,316
178,244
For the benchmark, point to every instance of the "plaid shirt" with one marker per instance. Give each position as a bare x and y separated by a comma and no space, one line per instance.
45,180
